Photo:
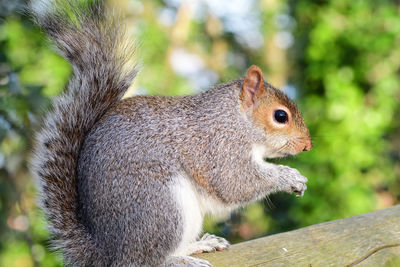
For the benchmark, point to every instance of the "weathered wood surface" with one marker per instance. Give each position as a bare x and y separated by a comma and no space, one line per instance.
371,239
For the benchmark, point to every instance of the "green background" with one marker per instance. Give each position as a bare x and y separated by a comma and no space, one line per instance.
339,60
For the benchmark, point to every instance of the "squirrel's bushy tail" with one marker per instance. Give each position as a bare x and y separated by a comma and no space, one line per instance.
93,42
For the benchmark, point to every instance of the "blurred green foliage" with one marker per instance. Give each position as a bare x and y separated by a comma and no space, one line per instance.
339,59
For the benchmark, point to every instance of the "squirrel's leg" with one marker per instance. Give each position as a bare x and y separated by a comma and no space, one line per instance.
208,243
283,178
186,261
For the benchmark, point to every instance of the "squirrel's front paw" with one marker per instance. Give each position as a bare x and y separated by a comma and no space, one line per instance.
293,181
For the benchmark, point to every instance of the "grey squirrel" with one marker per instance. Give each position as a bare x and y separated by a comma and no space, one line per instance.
128,182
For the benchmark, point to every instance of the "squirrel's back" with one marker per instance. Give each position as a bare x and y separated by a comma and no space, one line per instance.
134,157
92,41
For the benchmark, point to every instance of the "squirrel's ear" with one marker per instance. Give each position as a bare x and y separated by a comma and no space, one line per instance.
253,86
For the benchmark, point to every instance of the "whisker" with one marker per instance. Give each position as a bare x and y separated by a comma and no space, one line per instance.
303,138
282,147
321,136
269,203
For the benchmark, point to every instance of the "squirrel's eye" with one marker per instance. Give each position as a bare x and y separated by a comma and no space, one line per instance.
281,116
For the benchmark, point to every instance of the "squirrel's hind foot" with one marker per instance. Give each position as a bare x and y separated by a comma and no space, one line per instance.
209,243
186,261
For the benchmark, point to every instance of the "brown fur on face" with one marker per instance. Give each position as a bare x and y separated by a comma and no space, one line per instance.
295,130
261,100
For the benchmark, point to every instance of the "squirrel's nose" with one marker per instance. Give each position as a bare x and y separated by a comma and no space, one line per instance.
308,147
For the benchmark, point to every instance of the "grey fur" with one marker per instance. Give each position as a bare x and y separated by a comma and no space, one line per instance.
106,166
93,46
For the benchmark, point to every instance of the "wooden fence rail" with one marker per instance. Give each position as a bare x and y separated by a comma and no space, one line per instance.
371,239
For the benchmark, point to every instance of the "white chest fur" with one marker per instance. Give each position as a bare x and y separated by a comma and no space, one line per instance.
194,206
188,203
259,153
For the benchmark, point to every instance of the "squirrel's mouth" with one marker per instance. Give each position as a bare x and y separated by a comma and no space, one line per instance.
279,154
294,147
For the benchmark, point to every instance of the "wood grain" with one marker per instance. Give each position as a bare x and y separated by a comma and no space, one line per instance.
371,239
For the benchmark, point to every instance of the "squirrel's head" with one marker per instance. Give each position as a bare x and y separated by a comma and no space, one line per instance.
276,114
